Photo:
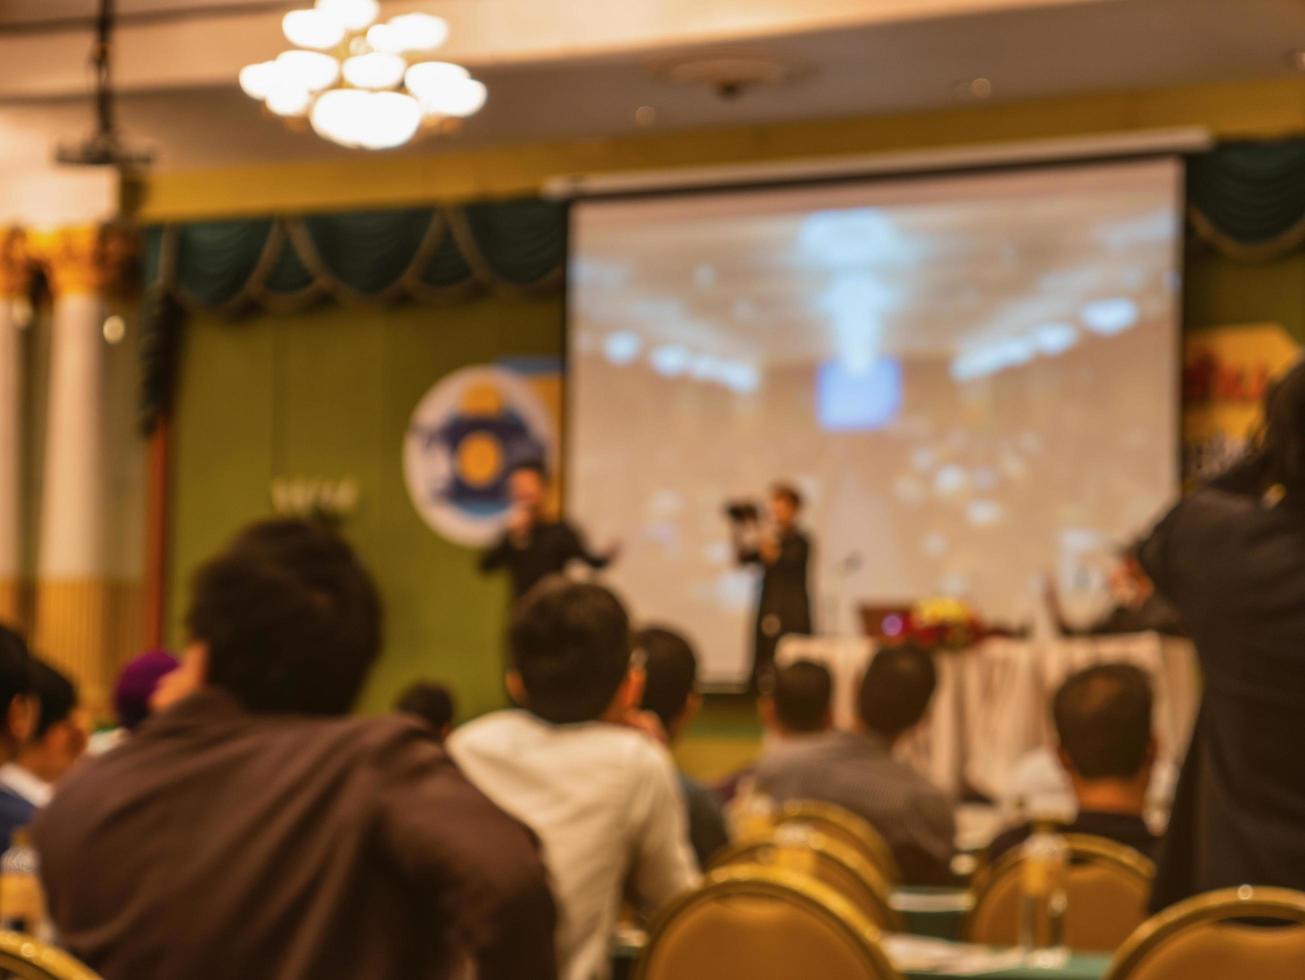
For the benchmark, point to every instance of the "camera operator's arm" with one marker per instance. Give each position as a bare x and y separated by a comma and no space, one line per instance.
746,544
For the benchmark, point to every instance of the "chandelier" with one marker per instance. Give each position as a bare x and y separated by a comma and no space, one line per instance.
363,84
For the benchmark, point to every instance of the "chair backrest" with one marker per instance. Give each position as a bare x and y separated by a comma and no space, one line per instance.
797,847
1107,885
847,828
762,923
22,956
1208,938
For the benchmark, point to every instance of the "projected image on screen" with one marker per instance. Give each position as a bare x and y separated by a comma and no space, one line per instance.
972,379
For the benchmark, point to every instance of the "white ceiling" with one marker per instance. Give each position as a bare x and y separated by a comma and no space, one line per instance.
184,99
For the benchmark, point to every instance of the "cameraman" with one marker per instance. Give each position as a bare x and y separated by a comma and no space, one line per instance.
783,552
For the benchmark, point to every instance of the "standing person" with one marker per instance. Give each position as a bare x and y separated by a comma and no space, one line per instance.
535,543
602,796
784,553
255,829
1231,558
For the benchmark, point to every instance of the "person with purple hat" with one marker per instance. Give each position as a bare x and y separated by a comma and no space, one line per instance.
133,696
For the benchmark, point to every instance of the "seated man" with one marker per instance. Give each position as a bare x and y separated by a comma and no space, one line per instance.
857,770
1103,725
670,693
17,719
57,742
430,703
253,830
602,796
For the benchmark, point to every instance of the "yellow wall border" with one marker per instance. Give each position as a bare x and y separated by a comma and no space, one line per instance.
1260,108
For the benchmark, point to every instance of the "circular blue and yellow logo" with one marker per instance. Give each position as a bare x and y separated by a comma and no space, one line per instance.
466,435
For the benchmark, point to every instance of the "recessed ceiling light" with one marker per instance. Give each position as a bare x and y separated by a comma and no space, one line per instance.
645,115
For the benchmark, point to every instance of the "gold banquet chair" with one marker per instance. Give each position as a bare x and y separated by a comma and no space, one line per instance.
763,924
1194,940
23,957
1107,885
798,848
847,828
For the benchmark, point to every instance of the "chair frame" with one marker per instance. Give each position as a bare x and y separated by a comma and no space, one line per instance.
817,812
1210,908
781,883
31,959
1098,850
743,852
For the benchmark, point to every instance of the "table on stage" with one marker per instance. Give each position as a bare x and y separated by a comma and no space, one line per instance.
991,706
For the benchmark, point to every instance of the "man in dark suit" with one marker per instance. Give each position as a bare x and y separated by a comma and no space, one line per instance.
784,553
1231,558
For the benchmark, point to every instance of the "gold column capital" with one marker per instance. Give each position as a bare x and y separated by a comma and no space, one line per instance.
88,260
15,263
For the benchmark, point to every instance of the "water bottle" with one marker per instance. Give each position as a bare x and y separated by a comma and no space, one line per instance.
22,901
753,813
1044,900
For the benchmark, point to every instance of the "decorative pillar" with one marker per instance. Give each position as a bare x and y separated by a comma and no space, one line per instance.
73,601
14,282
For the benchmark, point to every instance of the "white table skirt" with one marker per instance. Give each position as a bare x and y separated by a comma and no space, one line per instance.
992,704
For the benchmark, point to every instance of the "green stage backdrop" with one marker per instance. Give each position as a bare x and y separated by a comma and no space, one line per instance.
328,393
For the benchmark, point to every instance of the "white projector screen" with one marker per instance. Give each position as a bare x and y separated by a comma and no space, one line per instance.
973,379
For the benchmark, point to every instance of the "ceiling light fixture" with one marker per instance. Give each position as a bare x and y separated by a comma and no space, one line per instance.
362,84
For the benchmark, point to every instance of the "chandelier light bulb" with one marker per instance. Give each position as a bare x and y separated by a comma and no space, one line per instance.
312,29
352,15
374,70
384,38
308,70
419,32
446,90
256,80
288,99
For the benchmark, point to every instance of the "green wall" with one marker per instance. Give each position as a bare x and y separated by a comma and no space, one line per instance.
328,393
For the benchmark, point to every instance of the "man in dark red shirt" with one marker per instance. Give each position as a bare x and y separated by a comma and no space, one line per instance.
252,830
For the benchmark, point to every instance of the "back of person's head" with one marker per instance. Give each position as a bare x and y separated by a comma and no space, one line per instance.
569,643
1282,437
289,619
896,690
1103,721
15,689
802,696
431,703
136,685
671,674
56,697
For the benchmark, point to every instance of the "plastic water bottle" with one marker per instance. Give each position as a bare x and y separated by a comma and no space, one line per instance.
22,901
1044,899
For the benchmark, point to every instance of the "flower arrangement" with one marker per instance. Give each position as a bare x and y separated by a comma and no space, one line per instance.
938,623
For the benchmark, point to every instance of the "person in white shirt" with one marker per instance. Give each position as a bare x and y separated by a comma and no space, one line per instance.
58,741
602,795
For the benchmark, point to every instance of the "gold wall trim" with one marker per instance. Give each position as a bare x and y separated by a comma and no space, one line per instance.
1264,108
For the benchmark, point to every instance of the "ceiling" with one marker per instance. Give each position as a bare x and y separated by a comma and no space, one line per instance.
551,81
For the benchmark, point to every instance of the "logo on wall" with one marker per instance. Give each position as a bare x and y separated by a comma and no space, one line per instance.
466,435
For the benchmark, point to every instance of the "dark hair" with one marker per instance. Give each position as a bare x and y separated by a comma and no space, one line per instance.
290,617
55,693
672,669
803,692
535,466
896,690
1103,720
570,642
432,703
789,493
15,671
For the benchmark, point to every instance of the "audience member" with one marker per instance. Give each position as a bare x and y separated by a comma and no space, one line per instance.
670,693
602,796
133,697
1231,557
1106,745
250,831
857,770
430,703
17,719
58,740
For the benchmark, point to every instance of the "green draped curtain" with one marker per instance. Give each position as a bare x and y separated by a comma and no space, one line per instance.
423,255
